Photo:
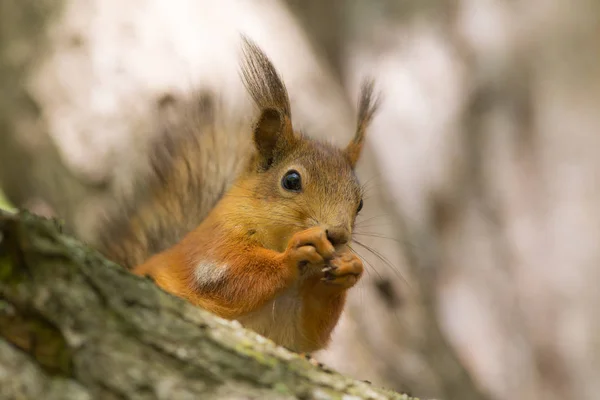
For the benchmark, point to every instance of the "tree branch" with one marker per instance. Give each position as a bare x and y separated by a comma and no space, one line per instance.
74,325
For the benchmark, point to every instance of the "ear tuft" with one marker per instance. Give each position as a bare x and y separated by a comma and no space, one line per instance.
262,80
273,132
367,107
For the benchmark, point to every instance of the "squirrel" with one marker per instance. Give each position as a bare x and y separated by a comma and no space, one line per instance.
251,223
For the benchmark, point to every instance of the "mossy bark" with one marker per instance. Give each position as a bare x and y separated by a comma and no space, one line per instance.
74,325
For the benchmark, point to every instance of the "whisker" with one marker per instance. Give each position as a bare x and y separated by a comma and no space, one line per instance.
370,180
382,258
366,262
372,218
371,226
377,235
394,311
362,227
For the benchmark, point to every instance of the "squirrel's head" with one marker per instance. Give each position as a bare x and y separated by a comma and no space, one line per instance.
294,182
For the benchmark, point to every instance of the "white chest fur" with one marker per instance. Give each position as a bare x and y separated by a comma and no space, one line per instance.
279,319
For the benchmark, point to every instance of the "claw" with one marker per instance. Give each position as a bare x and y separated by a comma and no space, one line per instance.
328,268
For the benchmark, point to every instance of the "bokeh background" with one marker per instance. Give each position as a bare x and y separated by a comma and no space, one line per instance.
481,229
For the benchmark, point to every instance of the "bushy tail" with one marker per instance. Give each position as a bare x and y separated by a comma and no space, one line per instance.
192,164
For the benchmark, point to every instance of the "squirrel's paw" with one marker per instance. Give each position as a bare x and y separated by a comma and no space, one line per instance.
309,247
343,270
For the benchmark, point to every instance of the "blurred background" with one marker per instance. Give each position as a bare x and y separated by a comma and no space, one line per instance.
481,229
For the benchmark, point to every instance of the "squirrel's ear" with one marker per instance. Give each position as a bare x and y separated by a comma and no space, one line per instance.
273,135
367,107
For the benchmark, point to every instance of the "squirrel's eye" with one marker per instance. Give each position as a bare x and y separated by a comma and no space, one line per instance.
360,206
291,181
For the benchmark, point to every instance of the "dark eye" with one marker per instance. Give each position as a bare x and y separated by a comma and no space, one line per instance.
360,206
291,181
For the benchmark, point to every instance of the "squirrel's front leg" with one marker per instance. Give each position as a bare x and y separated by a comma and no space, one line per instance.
343,272
241,281
324,295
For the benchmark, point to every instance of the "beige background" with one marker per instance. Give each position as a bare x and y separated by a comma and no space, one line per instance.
482,164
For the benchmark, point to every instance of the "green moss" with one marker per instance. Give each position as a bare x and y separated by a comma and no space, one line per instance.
9,271
5,204
37,337
247,348
5,269
281,388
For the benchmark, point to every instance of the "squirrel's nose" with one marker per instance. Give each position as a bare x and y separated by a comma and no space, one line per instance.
337,235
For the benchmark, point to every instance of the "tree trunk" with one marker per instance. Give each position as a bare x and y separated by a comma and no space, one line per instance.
73,325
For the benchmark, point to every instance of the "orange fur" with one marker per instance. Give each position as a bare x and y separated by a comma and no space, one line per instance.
270,256
256,276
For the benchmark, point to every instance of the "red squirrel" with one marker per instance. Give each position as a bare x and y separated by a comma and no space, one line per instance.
250,222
